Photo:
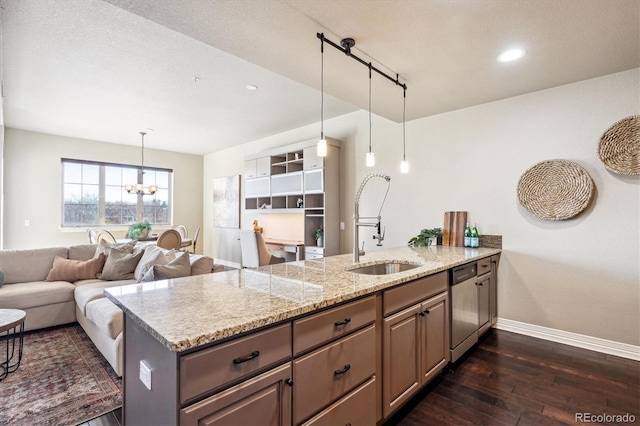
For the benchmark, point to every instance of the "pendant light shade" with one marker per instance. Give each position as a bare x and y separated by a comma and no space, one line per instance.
139,188
321,147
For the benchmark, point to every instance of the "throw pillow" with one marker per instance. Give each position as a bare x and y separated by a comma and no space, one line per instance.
120,266
74,270
178,267
153,255
1,277
201,264
106,247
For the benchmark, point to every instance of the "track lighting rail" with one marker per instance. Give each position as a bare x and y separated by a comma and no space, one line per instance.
346,45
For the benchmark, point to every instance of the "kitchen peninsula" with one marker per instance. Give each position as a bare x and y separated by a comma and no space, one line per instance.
257,342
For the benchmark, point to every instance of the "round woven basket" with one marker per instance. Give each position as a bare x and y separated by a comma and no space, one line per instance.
555,189
619,147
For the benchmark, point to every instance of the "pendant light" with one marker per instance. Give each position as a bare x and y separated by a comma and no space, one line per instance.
138,188
321,147
404,164
371,158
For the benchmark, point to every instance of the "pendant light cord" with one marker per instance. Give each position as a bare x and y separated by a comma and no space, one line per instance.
369,106
322,87
404,110
142,165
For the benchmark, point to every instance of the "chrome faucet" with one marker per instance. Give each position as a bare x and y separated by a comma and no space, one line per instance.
357,220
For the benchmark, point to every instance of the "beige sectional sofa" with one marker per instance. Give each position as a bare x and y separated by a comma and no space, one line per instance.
57,301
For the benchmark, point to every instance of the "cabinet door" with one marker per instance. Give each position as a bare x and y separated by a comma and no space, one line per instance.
287,183
263,400
263,166
258,187
313,181
484,295
250,169
434,336
400,370
354,409
310,159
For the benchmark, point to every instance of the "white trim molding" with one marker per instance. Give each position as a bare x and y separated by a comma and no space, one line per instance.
596,344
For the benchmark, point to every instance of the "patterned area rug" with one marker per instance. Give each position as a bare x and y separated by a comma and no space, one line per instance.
62,380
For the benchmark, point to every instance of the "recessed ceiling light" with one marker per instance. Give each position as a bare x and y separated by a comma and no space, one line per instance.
511,55
251,87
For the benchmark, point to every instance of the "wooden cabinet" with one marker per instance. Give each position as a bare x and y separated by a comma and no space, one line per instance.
415,340
263,400
355,409
487,283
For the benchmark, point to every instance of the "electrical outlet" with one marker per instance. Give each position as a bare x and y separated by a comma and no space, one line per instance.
342,226
145,374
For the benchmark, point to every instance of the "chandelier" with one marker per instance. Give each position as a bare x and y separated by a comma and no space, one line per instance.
138,188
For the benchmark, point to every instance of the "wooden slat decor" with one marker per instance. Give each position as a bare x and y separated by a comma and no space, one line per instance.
453,229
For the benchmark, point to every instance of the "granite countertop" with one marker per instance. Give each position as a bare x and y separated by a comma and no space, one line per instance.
185,313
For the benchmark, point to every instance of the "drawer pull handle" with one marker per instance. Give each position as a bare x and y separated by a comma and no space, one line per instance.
426,311
253,355
480,284
345,322
346,368
289,382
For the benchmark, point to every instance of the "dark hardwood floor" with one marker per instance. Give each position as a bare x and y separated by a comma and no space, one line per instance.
511,379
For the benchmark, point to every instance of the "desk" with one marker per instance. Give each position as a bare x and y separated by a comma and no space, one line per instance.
287,246
12,325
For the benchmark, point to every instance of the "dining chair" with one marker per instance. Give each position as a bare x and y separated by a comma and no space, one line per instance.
182,230
169,239
93,236
195,239
105,236
254,250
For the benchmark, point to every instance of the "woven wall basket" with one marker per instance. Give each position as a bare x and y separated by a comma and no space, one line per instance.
555,189
619,147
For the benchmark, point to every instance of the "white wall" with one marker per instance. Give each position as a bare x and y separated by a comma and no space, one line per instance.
580,275
33,185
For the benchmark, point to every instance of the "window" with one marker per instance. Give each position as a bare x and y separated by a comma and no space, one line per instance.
93,194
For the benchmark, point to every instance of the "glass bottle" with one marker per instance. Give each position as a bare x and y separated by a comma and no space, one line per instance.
475,237
467,236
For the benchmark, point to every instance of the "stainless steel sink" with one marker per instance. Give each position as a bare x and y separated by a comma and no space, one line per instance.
384,268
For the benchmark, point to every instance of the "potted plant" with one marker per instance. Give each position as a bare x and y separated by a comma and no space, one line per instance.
427,237
319,234
139,230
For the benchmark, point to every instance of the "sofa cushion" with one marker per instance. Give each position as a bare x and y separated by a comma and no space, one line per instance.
178,267
120,265
74,270
82,251
92,290
1,277
23,266
200,264
35,293
106,316
153,255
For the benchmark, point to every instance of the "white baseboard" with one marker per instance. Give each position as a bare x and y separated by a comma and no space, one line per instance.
610,347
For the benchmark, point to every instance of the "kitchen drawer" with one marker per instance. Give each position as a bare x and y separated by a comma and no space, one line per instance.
415,291
320,328
484,266
314,250
354,409
325,375
311,256
212,368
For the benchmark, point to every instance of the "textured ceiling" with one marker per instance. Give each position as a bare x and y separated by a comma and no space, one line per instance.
105,70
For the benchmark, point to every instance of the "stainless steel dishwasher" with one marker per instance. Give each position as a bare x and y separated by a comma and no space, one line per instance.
464,309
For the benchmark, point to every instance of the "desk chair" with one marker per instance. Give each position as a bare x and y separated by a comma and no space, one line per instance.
169,239
254,250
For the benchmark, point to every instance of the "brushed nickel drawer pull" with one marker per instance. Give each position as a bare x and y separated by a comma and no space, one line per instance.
253,355
344,370
345,322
